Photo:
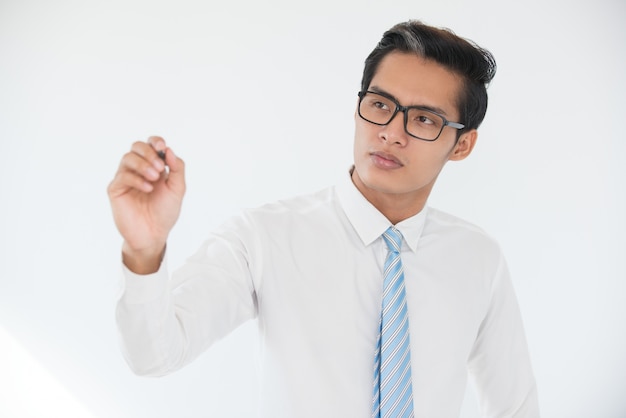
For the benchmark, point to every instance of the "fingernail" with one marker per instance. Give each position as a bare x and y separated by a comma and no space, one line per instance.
158,164
152,173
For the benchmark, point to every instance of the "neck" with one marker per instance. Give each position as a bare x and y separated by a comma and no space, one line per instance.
396,207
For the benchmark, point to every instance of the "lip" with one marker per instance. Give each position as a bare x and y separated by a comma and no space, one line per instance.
384,160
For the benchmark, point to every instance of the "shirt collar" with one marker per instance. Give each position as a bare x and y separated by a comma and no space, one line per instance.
369,223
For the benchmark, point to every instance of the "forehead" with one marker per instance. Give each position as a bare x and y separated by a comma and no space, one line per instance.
417,81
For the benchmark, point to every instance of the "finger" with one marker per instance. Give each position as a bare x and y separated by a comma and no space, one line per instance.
134,162
146,151
176,176
125,180
158,144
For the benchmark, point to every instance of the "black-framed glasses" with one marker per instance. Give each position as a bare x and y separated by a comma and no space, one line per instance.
419,122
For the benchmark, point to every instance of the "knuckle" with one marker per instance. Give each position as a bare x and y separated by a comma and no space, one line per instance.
115,184
141,148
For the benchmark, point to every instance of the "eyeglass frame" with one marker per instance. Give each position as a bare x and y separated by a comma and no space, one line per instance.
404,110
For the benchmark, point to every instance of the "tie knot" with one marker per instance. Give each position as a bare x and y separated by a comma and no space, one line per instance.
393,239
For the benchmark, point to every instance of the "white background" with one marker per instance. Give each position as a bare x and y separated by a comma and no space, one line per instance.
258,98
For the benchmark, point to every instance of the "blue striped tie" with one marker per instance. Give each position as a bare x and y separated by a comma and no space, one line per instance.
393,392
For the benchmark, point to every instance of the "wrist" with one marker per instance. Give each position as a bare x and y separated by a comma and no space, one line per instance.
142,261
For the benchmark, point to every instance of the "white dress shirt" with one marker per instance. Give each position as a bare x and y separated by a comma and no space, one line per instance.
310,270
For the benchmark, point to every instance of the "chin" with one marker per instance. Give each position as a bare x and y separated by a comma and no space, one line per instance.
380,181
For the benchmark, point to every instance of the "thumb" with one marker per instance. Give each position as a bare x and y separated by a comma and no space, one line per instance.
176,176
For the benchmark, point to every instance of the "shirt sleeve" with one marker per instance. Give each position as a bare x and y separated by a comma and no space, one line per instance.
499,363
166,322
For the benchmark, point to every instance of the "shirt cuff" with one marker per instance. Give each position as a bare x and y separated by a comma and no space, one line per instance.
143,288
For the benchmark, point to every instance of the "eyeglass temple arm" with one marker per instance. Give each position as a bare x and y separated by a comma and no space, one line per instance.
455,125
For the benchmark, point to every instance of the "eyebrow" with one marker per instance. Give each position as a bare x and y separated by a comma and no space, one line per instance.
435,109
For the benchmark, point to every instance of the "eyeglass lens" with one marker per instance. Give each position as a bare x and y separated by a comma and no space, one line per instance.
419,122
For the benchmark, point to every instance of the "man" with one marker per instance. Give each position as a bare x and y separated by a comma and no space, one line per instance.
369,302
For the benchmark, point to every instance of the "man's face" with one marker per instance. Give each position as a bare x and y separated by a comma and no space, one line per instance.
389,163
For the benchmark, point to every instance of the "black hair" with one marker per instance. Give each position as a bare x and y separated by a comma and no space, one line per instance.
475,65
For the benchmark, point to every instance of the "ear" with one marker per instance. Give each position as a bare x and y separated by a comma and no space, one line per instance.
464,146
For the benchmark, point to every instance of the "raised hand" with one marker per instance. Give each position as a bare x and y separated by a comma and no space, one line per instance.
146,195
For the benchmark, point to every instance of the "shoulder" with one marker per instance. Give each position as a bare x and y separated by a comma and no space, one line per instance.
290,229
458,233
462,250
440,219
303,203
313,208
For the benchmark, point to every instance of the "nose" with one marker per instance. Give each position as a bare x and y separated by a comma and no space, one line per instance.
394,132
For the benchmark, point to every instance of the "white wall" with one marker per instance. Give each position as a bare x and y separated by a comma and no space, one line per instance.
80,81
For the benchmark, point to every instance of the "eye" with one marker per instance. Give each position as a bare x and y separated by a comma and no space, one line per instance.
380,105
423,119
